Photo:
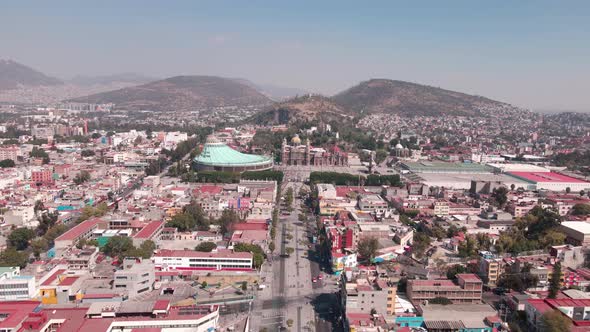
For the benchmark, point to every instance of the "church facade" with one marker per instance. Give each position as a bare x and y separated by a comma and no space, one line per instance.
300,154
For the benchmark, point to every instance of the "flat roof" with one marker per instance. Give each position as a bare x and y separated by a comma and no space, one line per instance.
441,166
16,312
149,230
200,254
580,226
548,177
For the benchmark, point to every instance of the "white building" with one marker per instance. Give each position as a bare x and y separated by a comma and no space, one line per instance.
195,260
13,286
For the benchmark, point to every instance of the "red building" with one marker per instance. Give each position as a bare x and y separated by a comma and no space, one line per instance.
42,176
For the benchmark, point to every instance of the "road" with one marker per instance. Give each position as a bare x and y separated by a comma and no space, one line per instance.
292,298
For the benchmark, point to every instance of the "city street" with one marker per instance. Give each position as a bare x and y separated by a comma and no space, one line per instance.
292,298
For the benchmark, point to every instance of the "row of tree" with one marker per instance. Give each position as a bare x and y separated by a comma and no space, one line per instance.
346,179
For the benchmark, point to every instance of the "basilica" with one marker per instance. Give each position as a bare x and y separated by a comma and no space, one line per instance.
297,153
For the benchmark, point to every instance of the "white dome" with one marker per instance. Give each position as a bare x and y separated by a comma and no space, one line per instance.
399,146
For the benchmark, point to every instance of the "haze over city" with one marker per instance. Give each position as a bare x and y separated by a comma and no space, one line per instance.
303,166
532,54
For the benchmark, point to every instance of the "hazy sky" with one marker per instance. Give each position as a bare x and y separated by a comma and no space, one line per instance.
534,54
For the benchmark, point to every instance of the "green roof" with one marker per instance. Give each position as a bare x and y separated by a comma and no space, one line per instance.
216,153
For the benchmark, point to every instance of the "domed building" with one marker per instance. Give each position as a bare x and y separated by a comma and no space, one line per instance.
217,156
298,154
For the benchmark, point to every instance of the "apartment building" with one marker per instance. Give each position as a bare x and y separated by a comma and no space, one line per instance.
136,277
13,286
468,289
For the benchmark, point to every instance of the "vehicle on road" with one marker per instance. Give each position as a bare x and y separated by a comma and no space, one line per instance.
320,277
314,280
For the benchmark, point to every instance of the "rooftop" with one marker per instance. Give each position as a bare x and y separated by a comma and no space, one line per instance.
546,177
218,153
148,231
79,229
580,226
199,254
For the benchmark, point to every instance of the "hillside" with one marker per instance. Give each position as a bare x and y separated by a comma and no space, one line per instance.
410,99
308,108
181,93
123,78
14,75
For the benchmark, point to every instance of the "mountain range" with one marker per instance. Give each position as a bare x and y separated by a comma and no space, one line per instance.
135,91
181,93
14,75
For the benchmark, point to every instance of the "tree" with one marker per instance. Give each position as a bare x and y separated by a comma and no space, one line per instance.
420,243
580,209
20,237
54,232
13,257
227,220
206,246
555,321
204,284
271,247
82,177
289,251
441,300
453,270
117,246
244,286
39,245
146,249
182,221
568,190
95,135
500,196
87,153
555,282
367,248
256,250
46,221
6,163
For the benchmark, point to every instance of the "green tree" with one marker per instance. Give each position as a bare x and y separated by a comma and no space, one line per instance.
580,209
256,250
244,286
500,196
271,246
13,257
420,243
453,270
82,177
555,282
227,219
441,300
367,248
87,153
146,249
38,246
206,246
555,321
7,163
54,232
20,237
117,246
46,221
182,221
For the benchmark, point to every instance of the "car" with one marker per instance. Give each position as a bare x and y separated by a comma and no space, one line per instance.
320,277
314,280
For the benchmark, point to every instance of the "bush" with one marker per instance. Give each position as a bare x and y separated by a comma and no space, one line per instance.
441,300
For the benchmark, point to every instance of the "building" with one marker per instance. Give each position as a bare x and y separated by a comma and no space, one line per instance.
196,260
298,154
467,290
217,156
150,232
490,269
13,286
42,176
109,317
577,232
460,317
444,167
364,295
9,152
136,277
578,311
551,181
70,238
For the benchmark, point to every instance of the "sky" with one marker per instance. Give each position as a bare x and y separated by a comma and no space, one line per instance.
533,54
